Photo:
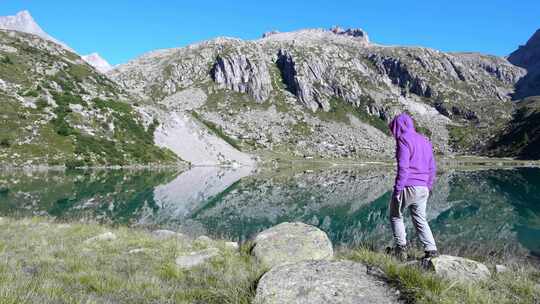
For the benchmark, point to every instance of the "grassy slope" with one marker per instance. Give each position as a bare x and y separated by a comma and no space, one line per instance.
522,138
52,132
44,262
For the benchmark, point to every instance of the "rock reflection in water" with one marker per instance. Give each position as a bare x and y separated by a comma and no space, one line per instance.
482,213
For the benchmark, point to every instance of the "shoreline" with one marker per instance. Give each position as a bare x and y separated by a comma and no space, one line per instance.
459,161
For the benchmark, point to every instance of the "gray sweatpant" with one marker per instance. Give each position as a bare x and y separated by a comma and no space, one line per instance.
414,198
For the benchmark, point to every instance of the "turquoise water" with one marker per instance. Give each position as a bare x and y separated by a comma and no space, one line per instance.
474,213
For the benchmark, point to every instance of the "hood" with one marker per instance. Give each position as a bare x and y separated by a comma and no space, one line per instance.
401,124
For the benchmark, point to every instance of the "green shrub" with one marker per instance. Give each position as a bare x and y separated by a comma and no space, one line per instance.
152,127
63,128
74,163
31,93
423,130
41,103
6,60
5,143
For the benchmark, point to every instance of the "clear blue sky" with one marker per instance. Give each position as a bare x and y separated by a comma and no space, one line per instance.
121,30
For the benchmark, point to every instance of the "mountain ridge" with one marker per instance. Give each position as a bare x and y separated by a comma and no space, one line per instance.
323,71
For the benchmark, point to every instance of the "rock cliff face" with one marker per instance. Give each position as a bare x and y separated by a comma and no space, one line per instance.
241,74
330,93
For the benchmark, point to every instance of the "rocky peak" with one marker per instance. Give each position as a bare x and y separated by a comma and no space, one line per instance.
24,22
529,54
353,32
534,41
528,57
97,62
315,36
268,34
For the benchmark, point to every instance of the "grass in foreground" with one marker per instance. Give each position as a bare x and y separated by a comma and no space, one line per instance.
42,262
46,262
519,285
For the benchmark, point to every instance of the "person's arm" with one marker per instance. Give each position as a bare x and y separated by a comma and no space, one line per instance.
403,155
432,171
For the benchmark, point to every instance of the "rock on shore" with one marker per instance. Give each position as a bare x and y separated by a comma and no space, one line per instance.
459,269
321,282
291,242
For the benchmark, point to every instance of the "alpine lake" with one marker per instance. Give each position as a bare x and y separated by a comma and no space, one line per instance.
475,212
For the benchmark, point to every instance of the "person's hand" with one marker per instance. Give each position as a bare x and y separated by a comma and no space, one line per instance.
396,195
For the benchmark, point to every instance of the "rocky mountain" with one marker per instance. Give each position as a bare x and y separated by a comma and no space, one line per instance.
327,93
97,62
521,137
58,110
311,93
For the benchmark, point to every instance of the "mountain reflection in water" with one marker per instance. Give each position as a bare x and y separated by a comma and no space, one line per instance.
472,213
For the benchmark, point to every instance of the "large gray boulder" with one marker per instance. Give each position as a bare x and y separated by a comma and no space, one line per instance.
459,269
291,242
322,282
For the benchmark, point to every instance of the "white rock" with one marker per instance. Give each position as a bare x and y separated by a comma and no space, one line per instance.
500,268
137,250
107,236
232,245
163,234
459,269
196,258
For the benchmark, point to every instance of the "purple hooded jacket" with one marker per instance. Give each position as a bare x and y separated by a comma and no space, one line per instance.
414,155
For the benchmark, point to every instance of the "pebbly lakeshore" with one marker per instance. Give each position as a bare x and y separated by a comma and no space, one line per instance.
45,261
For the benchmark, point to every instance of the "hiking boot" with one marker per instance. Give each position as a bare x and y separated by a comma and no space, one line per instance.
428,255
398,251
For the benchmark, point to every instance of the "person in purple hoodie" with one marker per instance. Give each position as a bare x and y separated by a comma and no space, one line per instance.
414,180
